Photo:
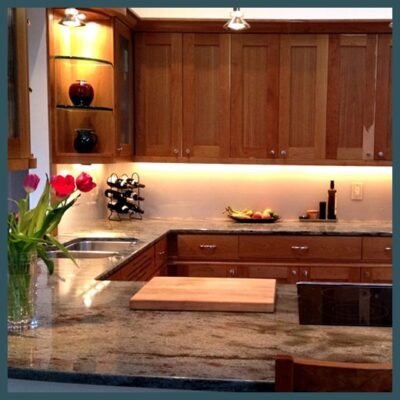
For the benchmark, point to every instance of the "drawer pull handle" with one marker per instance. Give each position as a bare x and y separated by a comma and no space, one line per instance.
300,248
305,273
232,272
388,248
294,272
208,246
161,253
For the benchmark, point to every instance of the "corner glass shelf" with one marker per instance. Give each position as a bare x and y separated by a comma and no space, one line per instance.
83,108
97,60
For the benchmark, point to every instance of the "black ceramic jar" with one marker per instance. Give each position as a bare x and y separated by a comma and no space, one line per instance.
85,141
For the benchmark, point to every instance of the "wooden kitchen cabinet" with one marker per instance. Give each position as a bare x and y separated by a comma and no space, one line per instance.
329,273
383,111
19,149
124,93
158,78
302,97
255,96
351,97
377,249
376,274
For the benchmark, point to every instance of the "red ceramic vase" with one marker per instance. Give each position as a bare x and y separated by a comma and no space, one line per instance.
81,93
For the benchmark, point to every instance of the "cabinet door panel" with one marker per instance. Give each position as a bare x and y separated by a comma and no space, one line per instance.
206,95
254,96
376,274
351,97
383,112
159,94
283,274
303,91
375,248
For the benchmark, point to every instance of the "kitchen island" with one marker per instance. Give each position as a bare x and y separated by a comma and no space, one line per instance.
88,334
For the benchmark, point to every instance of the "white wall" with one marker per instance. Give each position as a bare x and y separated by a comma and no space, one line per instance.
39,118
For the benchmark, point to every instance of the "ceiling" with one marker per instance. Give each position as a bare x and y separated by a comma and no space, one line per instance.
266,13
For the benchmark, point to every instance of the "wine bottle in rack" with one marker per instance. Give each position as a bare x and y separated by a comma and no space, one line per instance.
133,195
135,208
133,183
119,207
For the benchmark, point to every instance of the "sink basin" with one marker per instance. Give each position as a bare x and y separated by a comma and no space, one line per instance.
114,245
95,247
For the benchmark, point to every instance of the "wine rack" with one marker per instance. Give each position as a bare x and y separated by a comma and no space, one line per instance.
124,196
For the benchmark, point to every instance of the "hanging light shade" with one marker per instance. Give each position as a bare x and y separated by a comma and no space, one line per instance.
237,22
73,18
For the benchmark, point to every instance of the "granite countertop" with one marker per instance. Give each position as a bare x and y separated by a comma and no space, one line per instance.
87,333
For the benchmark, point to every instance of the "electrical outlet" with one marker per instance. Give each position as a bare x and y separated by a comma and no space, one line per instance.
356,191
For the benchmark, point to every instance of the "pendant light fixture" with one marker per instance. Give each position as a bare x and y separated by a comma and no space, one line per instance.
73,18
236,22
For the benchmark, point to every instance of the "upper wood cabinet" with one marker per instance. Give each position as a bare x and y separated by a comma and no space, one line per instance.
383,111
19,151
206,95
158,61
302,96
99,53
255,96
351,97
124,93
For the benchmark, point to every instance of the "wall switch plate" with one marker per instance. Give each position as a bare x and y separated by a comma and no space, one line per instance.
356,191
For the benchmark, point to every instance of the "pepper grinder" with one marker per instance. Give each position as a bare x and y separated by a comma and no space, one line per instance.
332,201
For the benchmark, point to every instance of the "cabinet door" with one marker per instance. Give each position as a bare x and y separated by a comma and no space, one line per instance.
377,249
351,97
254,96
303,92
19,153
158,61
383,111
123,77
206,96
330,274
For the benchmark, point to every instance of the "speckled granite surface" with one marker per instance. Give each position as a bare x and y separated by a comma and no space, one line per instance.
87,332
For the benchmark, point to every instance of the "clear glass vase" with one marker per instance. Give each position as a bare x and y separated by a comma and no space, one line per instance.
23,272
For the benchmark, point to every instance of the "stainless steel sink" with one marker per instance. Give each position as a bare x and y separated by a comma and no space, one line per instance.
95,247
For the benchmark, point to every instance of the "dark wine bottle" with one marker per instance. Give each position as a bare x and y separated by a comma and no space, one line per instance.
136,209
118,207
133,183
133,195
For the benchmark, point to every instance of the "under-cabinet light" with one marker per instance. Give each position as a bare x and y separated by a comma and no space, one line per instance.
73,18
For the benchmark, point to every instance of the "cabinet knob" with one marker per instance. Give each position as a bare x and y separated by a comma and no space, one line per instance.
119,149
176,151
388,248
381,154
161,253
295,248
272,153
232,272
305,273
283,153
294,272
187,151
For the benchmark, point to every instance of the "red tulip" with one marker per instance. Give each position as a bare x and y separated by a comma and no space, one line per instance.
62,185
31,182
84,182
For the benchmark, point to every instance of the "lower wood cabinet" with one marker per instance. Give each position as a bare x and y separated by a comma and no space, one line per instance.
376,274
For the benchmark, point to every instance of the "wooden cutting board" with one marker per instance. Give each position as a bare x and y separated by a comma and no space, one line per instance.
206,294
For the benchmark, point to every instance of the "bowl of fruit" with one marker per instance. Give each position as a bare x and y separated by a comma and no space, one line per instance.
266,216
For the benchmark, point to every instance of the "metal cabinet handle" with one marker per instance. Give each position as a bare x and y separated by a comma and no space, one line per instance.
208,246
294,272
232,272
300,248
161,253
283,153
176,151
303,248
187,151
295,248
381,154
272,153
388,248
305,273
119,149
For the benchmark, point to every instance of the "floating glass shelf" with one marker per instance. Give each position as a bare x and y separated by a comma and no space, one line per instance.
98,60
83,108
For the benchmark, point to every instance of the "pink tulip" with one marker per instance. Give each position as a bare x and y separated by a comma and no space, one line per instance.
31,182
62,185
84,182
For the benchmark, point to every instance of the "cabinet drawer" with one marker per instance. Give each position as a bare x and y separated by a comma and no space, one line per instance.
376,274
330,274
207,247
377,248
160,253
299,247
206,270
283,274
